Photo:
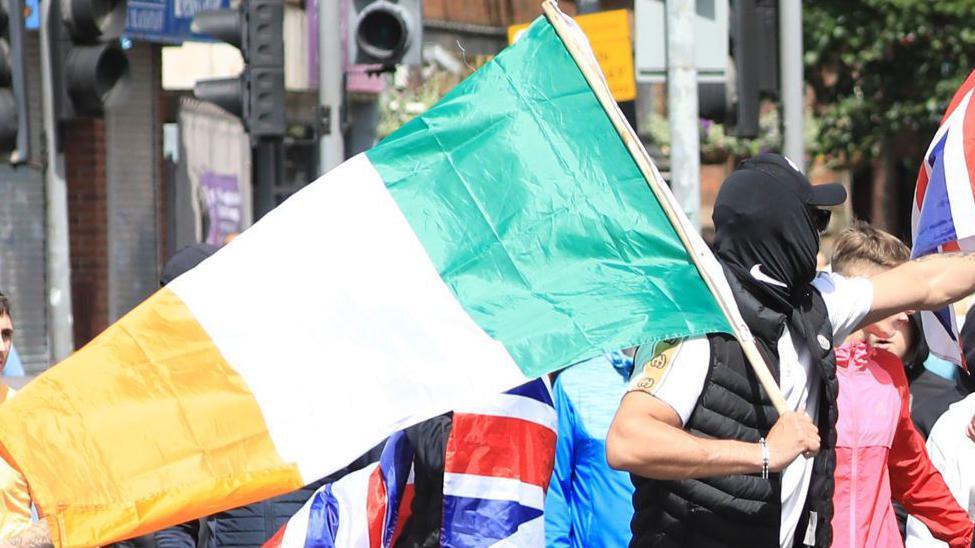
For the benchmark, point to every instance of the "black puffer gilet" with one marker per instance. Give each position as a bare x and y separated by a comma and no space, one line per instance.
744,511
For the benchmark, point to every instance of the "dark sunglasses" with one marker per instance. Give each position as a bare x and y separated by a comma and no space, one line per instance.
820,218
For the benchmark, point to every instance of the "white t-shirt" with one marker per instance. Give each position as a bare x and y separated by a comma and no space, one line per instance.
848,300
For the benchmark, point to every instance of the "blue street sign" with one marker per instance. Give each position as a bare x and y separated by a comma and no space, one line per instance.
167,21
161,21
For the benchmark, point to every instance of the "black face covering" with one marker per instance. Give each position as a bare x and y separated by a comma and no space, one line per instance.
766,235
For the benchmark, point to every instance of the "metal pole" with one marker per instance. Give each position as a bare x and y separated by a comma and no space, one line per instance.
60,321
363,123
268,173
682,109
16,33
790,61
331,84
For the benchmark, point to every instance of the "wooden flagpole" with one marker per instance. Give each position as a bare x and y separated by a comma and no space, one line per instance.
593,74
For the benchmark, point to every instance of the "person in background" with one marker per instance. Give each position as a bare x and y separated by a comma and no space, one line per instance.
879,454
931,394
15,505
14,367
6,343
588,503
184,260
966,381
429,442
951,447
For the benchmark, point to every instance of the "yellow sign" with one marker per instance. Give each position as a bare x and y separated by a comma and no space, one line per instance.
609,34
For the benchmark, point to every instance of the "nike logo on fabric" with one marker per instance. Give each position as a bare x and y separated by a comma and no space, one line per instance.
757,273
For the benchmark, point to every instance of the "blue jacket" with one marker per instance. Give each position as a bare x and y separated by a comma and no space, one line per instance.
588,503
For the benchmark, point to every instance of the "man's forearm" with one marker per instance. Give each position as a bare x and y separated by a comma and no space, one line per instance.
927,283
950,277
660,451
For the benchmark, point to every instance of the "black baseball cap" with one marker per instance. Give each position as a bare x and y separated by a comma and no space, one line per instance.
782,169
184,260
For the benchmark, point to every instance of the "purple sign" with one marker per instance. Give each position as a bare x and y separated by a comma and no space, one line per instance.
224,206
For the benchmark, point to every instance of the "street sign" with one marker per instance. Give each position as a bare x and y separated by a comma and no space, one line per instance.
609,34
167,21
710,40
159,21
32,14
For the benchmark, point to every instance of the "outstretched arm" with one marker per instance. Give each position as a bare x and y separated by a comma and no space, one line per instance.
928,283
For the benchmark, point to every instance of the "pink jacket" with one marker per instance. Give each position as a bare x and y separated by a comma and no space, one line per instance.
880,456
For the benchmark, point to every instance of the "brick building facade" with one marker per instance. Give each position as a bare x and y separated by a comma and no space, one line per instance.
85,163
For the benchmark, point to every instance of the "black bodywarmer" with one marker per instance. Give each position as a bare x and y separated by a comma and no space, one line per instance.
744,511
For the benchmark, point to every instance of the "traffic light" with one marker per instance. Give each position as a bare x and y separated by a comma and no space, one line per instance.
13,99
755,50
386,32
91,70
257,96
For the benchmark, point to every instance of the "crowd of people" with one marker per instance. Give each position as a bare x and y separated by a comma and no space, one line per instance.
677,444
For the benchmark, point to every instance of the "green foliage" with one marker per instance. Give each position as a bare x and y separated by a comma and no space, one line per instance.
717,145
400,103
884,70
411,92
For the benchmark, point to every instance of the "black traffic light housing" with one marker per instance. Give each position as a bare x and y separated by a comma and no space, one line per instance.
91,70
257,96
386,32
754,35
13,94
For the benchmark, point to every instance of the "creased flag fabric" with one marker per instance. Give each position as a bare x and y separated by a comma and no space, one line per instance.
497,468
365,509
943,214
505,233
498,462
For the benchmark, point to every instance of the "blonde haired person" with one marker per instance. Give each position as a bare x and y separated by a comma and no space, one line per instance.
880,456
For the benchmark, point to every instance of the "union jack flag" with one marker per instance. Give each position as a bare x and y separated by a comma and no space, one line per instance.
366,508
498,462
943,218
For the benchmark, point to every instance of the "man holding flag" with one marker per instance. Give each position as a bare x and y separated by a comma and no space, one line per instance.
711,462
515,228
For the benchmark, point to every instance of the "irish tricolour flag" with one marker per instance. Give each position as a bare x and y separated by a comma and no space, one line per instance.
507,232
